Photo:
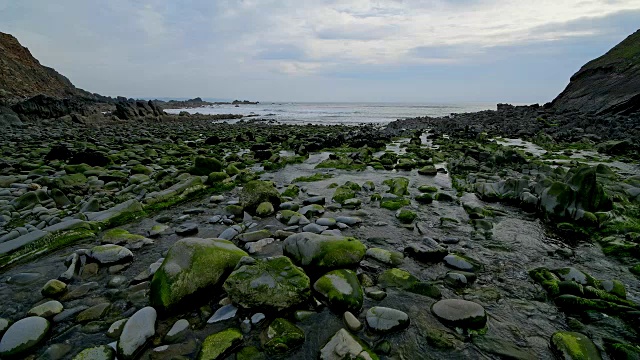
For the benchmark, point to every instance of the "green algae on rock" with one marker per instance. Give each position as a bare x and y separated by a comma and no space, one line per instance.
217,346
574,346
192,265
256,192
323,252
340,290
281,336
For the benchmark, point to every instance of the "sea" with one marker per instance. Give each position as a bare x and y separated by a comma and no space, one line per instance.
338,113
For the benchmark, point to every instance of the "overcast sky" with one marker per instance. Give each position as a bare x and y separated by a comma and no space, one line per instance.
519,51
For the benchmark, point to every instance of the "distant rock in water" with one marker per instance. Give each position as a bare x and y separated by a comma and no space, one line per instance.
609,84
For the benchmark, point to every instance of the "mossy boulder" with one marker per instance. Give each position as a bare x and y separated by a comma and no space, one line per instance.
394,203
203,166
406,216
256,192
574,346
216,177
291,191
398,186
140,169
590,194
271,284
427,189
340,290
218,345
192,265
265,209
402,279
424,198
281,336
121,236
323,252
343,193
428,170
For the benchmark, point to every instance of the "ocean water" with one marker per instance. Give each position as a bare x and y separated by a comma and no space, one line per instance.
339,113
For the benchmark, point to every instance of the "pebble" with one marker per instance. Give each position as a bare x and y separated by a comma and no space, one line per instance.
224,313
384,320
46,310
138,329
177,332
351,321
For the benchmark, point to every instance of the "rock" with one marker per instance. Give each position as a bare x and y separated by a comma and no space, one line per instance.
216,346
351,321
256,192
257,246
177,332
224,313
254,236
186,229
138,329
428,170
347,220
203,166
402,279
398,186
574,346
53,288
123,209
460,313
192,265
23,335
344,346
314,228
281,336
46,310
406,216
385,320
502,348
110,254
102,352
385,256
323,252
121,236
250,353
459,263
273,283
93,313
340,290
328,222
428,251
265,209
343,193
115,329
4,325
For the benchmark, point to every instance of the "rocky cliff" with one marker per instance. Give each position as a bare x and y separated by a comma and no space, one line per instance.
609,84
22,76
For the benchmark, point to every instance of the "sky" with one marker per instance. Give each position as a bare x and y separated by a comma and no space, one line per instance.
427,51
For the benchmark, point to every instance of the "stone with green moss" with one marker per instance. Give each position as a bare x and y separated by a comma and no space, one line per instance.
574,346
291,191
235,210
140,169
428,170
343,345
203,166
265,209
402,279
281,337
424,198
635,269
323,252
427,189
443,197
398,186
216,177
340,290
406,216
394,203
343,193
314,177
256,191
121,236
286,215
191,266
232,170
218,345
273,284
250,353
614,287
102,352
385,256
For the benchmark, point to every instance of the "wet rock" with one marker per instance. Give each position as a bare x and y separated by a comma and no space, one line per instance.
192,265
385,256
93,313
319,251
121,236
230,233
224,313
186,229
56,351
343,193
348,220
428,251
459,279
110,254
46,310
4,325
314,228
177,332
256,192
115,329
102,352
573,274
254,236
250,353
385,320
398,186
265,209
402,279
460,313
138,329
216,346
340,290
281,336
351,321
273,283
53,288
311,210
320,200
574,346
502,348
614,287
345,346
459,262
328,222
23,335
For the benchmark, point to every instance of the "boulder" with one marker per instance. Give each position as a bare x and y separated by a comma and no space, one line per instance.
323,252
110,254
216,346
574,346
23,335
256,192
192,265
460,313
281,336
140,327
385,320
340,290
270,284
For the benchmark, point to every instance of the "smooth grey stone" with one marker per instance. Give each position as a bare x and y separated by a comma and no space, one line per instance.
69,313
320,200
186,229
46,310
348,220
136,332
224,313
116,328
110,254
102,352
229,234
460,313
24,278
384,320
314,228
351,321
23,335
21,241
257,318
177,332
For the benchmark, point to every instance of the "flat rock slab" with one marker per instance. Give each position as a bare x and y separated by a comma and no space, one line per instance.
384,320
110,254
460,313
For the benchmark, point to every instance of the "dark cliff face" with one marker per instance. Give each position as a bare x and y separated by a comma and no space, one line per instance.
22,76
609,84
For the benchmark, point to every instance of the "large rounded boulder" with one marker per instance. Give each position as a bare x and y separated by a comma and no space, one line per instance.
192,265
269,284
340,290
256,192
323,252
